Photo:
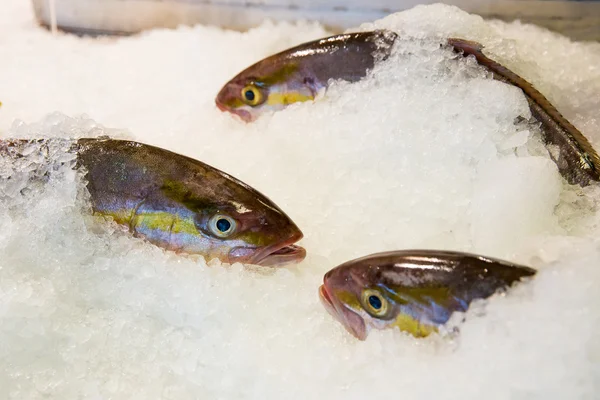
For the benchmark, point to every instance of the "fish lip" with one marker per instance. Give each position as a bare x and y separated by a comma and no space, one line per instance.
282,253
326,301
221,106
244,115
343,314
290,254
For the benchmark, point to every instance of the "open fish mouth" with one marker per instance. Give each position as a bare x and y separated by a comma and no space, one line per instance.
327,302
276,255
286,255
353,322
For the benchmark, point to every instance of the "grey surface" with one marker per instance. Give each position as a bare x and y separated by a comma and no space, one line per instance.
579,20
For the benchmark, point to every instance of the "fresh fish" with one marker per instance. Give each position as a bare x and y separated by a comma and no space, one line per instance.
413,290
577,160
297,74
178,203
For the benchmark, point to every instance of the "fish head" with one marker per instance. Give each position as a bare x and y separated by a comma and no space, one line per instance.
184,205
267,86
251,233
385,290
413,290
299,73
354,293
234,222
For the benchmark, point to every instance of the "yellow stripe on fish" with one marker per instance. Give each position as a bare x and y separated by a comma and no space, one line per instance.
156,220
165,222
411,325
286,98
416,291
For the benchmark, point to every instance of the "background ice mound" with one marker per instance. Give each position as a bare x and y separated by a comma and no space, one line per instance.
25,164
39,153
59,125
535,53
425,153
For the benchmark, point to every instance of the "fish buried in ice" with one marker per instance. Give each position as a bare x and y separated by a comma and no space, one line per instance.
577,160
179,203
299,73
413,290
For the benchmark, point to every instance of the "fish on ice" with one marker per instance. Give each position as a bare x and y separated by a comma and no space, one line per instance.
178,203
297,75
415,291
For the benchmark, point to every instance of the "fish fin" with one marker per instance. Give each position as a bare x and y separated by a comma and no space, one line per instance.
468,46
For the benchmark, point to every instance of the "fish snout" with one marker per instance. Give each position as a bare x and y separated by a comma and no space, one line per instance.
352,321
225,98
283,252
221,106
326,301
241,113
244,115
228,100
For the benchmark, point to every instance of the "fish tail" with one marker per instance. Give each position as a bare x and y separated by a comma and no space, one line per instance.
468,46
579,161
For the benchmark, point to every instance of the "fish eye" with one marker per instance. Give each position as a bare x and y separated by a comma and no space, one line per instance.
374,303
251,95
222,225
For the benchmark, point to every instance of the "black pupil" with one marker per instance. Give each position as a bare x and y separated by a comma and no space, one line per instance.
249,95
223,225
375,302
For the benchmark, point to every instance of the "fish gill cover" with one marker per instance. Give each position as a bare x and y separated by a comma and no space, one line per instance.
423,154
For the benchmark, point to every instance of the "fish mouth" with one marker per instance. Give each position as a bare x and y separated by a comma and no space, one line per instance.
221,106
289,254
244,115
282,253
327,302
353,322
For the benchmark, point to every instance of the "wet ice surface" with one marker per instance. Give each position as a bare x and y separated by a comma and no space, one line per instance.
423,154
